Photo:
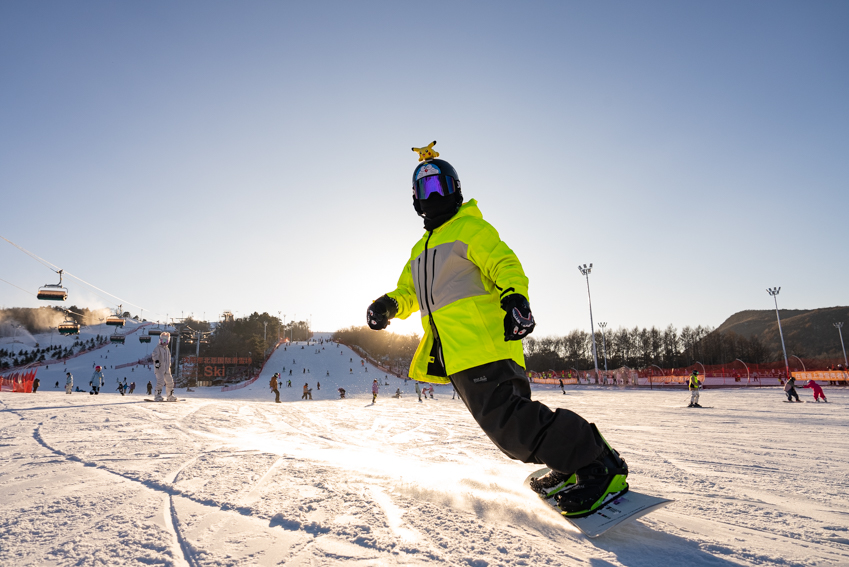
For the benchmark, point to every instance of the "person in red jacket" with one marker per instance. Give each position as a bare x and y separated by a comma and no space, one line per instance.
817,390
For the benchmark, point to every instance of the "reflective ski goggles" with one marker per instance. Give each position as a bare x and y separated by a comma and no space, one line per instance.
439,184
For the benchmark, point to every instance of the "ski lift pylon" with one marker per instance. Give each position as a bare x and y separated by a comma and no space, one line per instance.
53,292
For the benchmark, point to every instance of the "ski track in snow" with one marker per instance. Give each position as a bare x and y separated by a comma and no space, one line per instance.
235,479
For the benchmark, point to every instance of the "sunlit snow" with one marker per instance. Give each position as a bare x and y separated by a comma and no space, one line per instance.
231,478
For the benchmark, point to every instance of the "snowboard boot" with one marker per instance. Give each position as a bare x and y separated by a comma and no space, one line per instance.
158,397
595,484
551,483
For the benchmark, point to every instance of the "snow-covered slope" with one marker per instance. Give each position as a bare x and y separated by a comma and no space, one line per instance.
108,356
329,365
217,480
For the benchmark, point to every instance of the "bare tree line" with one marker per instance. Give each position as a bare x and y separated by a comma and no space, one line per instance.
641,348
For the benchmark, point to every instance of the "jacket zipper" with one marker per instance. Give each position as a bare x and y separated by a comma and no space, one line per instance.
429,311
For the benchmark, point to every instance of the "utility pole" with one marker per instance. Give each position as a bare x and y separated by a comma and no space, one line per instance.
603,344
839,330
774,292
585,270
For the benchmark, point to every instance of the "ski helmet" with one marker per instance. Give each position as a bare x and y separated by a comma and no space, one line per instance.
437,180
97,369
165,338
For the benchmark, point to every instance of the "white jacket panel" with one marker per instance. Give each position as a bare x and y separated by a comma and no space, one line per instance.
161,359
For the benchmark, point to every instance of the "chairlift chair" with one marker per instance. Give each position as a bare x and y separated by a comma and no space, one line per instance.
53,292
116,320
144,338
155,332
69,327
117,339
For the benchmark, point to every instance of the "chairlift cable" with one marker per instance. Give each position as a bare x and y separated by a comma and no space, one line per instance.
20,288
56,269
53,267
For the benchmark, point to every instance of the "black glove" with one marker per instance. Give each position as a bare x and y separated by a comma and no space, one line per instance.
380,312
519,321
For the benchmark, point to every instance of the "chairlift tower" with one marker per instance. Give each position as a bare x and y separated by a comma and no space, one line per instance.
839,330
774,293
585,270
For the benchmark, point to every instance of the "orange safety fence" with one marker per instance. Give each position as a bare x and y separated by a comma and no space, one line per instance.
18,381
710,376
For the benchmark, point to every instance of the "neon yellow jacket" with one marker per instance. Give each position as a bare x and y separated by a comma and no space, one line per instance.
457,275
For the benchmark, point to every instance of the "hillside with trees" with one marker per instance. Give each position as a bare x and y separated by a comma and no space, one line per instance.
808,333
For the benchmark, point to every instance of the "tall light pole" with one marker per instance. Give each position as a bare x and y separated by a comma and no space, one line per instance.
603,325
839,327
774,292
585,270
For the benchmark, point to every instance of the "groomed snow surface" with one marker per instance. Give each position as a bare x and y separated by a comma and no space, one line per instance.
235,479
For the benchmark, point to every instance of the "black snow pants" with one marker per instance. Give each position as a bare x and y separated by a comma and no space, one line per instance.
791,393
498,396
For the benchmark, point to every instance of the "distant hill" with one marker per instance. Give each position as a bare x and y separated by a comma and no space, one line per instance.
808,333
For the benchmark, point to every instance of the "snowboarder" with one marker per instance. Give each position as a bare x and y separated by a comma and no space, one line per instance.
162,368
318,385
96,381
132,387
35,384
307,392
341,393
818,393
473,295
693,385
120,388
790,389
273,384
375,388
69,382
149,388
397,393
419,391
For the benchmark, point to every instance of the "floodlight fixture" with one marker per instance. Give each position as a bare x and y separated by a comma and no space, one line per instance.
585,271
774,292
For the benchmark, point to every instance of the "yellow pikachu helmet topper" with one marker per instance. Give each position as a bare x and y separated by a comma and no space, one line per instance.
427,152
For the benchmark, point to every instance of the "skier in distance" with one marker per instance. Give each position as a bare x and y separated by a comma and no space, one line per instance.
162,369
473,297
693,384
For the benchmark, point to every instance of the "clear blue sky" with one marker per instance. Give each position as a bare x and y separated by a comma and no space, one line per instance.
203,156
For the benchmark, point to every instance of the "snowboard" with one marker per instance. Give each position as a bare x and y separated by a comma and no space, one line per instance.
619,510
162,402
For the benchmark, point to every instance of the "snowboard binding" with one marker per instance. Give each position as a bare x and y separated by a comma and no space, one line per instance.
596,484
